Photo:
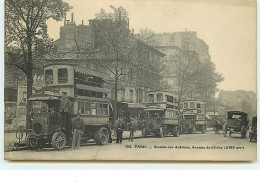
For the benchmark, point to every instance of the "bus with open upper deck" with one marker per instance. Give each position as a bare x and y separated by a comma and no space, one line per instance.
88,96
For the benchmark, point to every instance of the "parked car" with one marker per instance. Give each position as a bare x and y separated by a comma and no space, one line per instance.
237,122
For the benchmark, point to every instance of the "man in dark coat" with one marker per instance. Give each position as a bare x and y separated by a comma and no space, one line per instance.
64,109
131,129
119,130
77,129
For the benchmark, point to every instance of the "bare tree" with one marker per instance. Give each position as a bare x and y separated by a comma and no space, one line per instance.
115,47
25,23
183,71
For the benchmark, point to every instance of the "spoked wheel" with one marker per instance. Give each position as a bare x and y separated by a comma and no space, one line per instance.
161,132
101,136
176,132
59,140
31,141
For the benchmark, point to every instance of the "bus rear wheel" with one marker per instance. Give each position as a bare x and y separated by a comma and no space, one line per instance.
101,136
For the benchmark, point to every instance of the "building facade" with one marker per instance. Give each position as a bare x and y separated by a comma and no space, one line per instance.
140,75
173,43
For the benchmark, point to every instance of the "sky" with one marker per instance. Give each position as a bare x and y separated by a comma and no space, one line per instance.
227,26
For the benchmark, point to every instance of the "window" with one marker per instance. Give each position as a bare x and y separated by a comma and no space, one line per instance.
185,105
169,99
131,96
175,115
102,109
49,76
63,75
151,98
202,106
87,108
99,95
192,105
198,105
172,38
201,117
159,97
80,92
123,95
140,96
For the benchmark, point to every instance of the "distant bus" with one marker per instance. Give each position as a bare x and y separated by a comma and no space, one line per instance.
193,116
161,116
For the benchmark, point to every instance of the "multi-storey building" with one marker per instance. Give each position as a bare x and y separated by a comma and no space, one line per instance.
140,75
172,43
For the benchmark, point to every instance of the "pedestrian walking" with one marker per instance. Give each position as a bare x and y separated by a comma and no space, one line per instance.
131,129
78,125
119,131
217,125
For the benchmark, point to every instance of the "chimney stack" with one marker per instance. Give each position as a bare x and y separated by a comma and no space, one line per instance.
65,19
72,16
82,22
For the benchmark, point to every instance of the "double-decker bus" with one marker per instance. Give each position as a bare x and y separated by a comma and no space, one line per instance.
161,116
88,97
193,116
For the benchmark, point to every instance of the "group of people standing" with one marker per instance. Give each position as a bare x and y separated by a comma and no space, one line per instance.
119,129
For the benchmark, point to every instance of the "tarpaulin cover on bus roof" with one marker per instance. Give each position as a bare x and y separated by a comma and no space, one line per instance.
42,97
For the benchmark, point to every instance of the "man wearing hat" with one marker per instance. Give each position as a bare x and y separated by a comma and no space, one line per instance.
119,130
77,129
64,109
131,129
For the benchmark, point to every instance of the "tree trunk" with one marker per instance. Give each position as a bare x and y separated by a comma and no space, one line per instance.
115,108
29,75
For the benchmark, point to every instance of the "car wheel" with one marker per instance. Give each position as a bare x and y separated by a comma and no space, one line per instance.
31,142
59,141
